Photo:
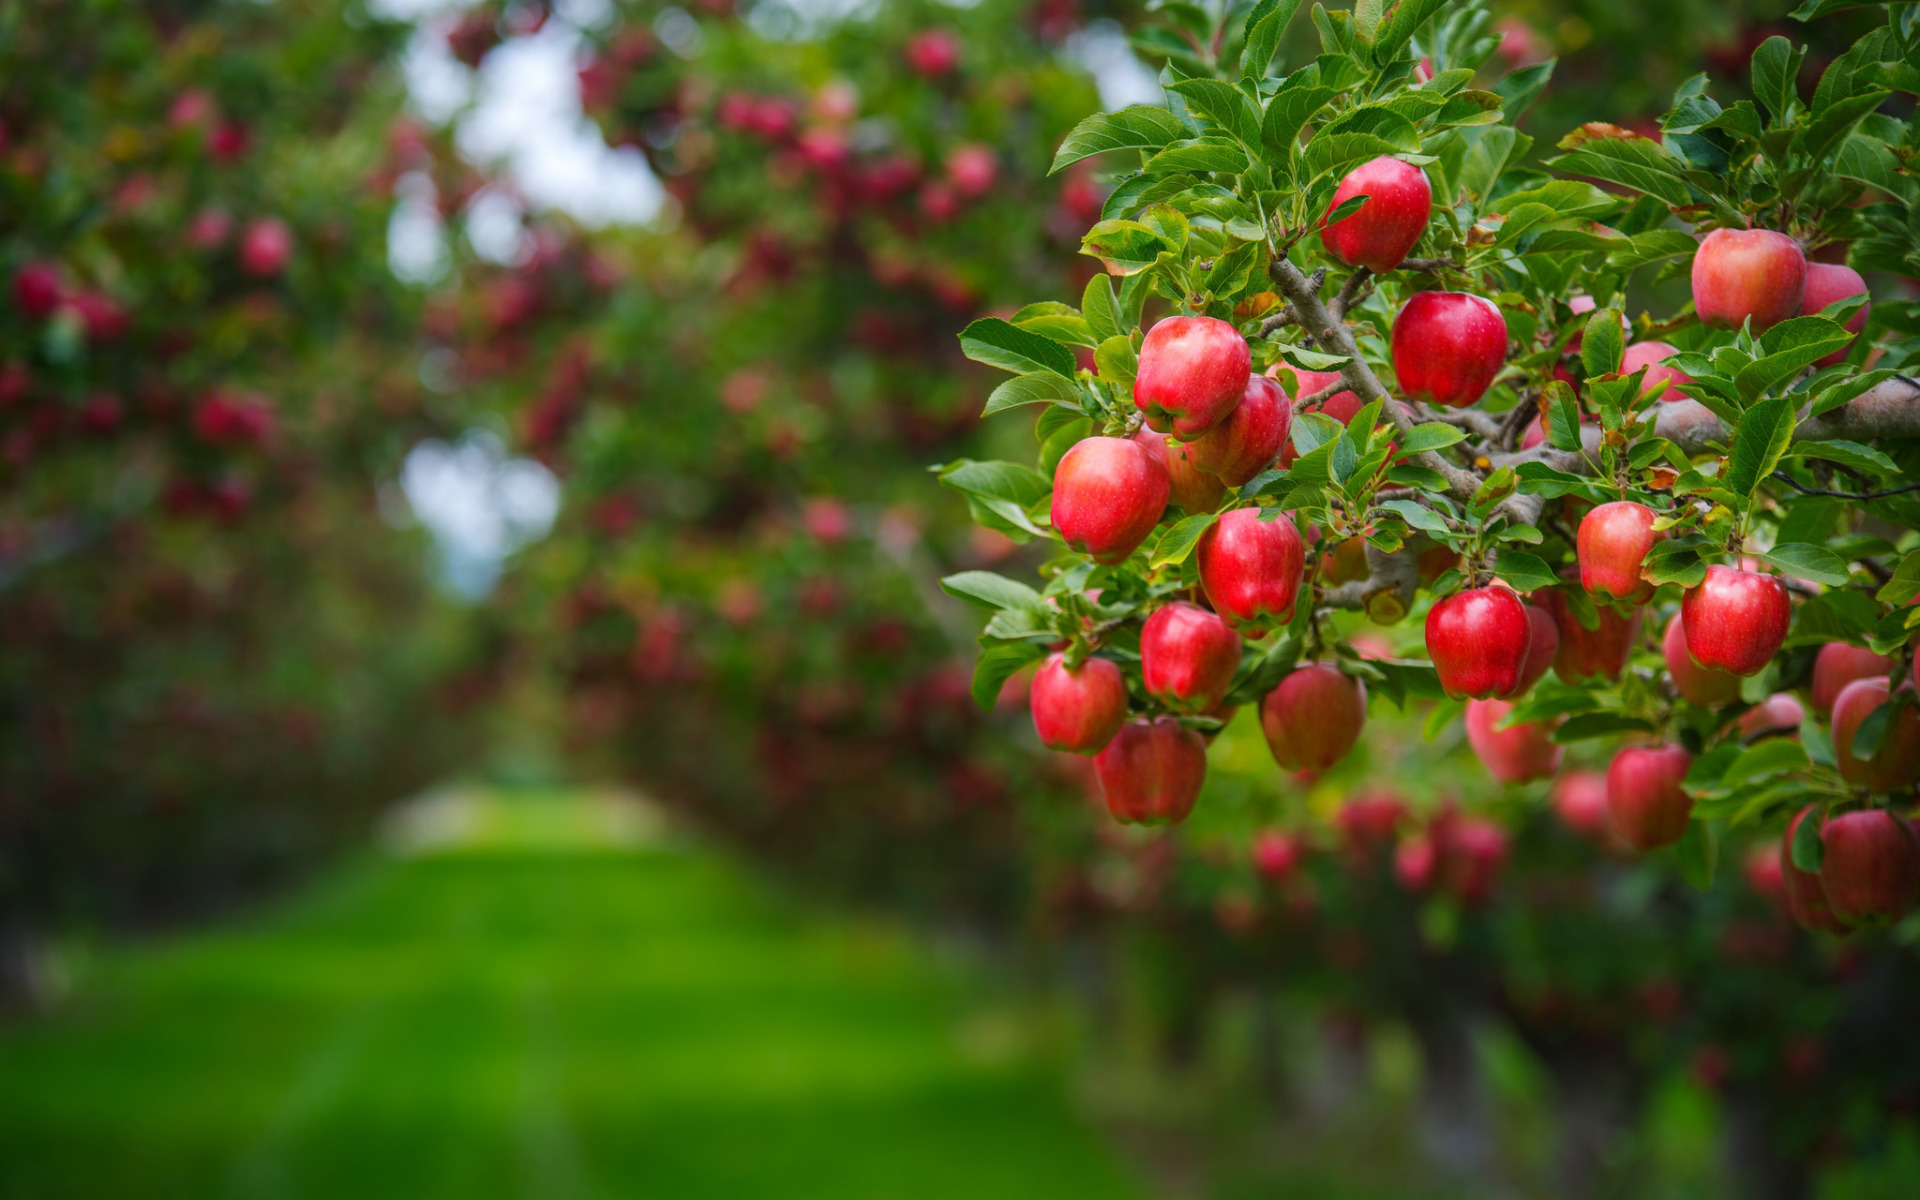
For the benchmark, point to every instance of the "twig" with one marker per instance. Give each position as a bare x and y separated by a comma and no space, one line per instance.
1428,265
1470,419
1352,292
1279,320
1517,420
1311,399
1804,490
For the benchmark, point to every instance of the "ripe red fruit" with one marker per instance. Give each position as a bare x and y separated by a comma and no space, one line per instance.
1613,542
1735,620
1826,283
1193,371
1518,754
1870,870
1447,347
265,247
1383,230
1652,355
1806,899
1748,273
38,290
1580,798
1275,854
1598,653
1542,646
1478,640
1077,709
1245,444
1313,718
1188,656
1839,664
972,168
1471,857
1649,807
1696,684
1108,494
1151,772
1193,489
1895,764
1369,822
1251,569
1780,713
933,53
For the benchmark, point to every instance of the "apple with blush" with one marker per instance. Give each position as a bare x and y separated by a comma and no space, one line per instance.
1313,718
1518,754
1779,715
1447,347
1829,283
1188,657
1077,709
1612,546
1703,686
1108,494
1251,568
1385,228
1580,800
1649,806
1192,372
1478,640
1542,647
1248,440
1806,899
1735,620
1151,772
1839,664
1653,356
1870,868
1895,763
1742,275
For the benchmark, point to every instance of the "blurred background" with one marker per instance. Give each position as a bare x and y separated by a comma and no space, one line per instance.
477,716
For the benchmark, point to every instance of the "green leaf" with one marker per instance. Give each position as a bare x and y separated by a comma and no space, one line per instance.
1140,127
1562,409
1867,738
1759,441
1060,322
1786,349
1849,454
1001,344
1200,155
1266,21
1696,854
1180,538
1127,247
1338,153
1904,587
1291,109
1599,724
997,663
1116,361
1035,387
1005,489
1311,360
1408,16
1434,435
1775,63
1808,850
1223,104
1418,515
1603,343
1635,162
1525,572
1809,562
1770,757
1518,91
994,591
1101,310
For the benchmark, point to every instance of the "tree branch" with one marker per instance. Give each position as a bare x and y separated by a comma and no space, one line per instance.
1353,291
1891,410
1387,592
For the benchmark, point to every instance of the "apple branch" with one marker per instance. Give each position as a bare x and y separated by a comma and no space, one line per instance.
1891,410
1390,584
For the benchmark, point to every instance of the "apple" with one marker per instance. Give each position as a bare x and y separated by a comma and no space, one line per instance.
1598,653
1827,283
1191,488
1839,664
1735,620
1188,656
1580,799
1151,772
1895,764
1780,713
933,52
1108,494
1649,807
972,169
1478,640
1612,547
1251,569
1651,355
1275,854
1193,371
1542,645
1742,274
1520,754
1471,858
38,290
1704,686
1870,870
1245,444
1077,709
1447,347
1384,229
1369,822
1313,718
1806,899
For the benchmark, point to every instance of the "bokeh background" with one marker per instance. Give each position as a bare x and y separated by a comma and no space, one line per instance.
477,716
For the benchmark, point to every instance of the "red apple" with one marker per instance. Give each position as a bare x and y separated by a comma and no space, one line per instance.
38,290
1806,899
1313,718
1191,488
1188,656
1077,709
1598,653
1275,853
1108,494
1696,684
1478,640
1612,545
1471,858
1649,807
1748,273
1151,772
1651,355
1895,764
1193,371
1780,713
265,247
1735,620
933,52
1369,822
1251,569
1839,664
1447,347
1580,798
1870,870
1827,283
972,168
1245,444
1542,646
1520,754
1386,226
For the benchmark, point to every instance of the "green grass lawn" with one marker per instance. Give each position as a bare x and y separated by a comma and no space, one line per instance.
536,1014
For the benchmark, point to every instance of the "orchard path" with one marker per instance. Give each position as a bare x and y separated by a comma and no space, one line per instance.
543,1005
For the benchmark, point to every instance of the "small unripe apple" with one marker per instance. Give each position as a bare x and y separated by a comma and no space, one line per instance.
1191,488
1077,709
1580,799
1870,870
1542,647
1598,653
1151,772
1519,754
1827,283
1108,494
1735,620
1748,273
1806,899
1696,684
1839,664
1188,656
1650,809
1613,543
1384,229
1193,371
1447,347
1478,641
1779,714
1895,764
1652,356
1251,569
1246,443
1314,717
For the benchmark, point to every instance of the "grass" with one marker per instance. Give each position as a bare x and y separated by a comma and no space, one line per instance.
539,1013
